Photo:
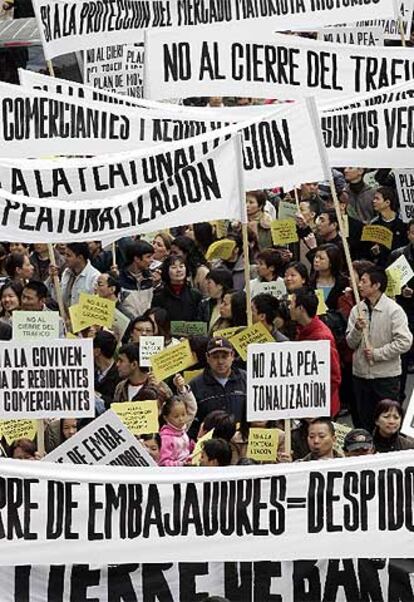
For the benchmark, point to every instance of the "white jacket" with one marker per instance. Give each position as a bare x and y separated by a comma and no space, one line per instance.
389,336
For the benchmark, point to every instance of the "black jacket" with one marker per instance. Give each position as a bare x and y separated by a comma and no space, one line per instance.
107,385
211,395
179,307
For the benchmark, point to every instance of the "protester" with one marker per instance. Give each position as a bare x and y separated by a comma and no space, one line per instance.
269,268
216,452
18,267
360,195
178,298
136,275
152,444
321,440
185,247
259,220
176,446
219,282
221,386
78,277
378,338
265,309
327,276
358,442
106,372
303,306
23,449
40,260
58,431
385,204
388,418
10,300
296,276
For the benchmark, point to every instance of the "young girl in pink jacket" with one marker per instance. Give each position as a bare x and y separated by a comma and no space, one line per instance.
176,446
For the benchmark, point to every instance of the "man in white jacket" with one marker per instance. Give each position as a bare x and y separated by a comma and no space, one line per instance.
376,363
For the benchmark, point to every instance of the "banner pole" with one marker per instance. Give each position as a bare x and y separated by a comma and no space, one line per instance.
113,249
50,68
297,198
288,437
56,284
242,197
314,115
40,436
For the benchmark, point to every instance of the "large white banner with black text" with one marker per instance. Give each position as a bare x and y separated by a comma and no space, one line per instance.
78,25
229,63
72,513
348,580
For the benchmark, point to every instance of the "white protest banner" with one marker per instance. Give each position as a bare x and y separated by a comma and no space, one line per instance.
404,179
129,515
133,66
391,27
316,580
211,188
408,423
288,381
118,68
73,25
401,264
226,63
31,325
149,346
361,36
105,440
106,60
275,147
44,380
381,135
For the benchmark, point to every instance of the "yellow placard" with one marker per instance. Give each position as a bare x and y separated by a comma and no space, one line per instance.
379,234
252,334
322,309
190,374
96,310
78,323
18,429
70,335
227,333
172,360
220,228
393,282
284,232
341,430
196,455
221,249
262,445
140,417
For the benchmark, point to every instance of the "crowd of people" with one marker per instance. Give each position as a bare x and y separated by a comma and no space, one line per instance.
156,280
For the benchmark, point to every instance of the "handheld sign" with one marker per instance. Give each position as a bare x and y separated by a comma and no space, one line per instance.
149,346
405,186
77,320
287,210
96,310
288,380
172,360
262,444
321,309
190,374
252,334
140,417
18,429
227,333
44,380
104,441
284,232
186,329
31,325
393,282
196,455
377,234
221,249
276,288
404,268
